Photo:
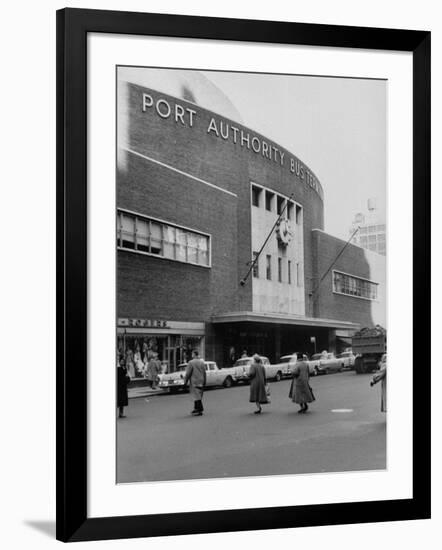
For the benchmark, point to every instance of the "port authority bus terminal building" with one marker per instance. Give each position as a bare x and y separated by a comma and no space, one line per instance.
197,195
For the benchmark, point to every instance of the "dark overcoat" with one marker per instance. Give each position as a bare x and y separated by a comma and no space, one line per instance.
257,375
300,391
122,382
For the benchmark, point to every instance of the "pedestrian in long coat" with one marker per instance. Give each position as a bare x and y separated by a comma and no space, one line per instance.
123,380
257,375
300,390
196,377
153,370
381,376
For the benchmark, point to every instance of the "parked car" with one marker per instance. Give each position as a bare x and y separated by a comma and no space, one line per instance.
215,376
347,359
287,363
314,362
326,362
173,381
272,371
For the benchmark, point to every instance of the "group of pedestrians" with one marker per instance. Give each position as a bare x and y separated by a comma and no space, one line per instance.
300,390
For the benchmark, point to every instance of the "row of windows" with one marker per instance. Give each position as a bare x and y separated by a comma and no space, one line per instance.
168,241
354,286
380,248
268,199
381,238
288,277
372,229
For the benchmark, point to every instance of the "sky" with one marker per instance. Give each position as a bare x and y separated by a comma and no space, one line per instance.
337,126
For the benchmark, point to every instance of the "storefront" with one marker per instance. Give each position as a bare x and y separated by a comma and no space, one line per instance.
173,341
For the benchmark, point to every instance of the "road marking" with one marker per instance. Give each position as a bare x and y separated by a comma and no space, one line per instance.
342,410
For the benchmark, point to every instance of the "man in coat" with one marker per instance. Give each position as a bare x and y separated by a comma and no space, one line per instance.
196,376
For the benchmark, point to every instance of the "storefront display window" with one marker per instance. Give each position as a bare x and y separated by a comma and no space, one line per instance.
172,350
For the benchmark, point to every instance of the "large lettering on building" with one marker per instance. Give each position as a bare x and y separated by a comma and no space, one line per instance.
225,130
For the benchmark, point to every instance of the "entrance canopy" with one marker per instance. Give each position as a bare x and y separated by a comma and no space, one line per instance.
282,319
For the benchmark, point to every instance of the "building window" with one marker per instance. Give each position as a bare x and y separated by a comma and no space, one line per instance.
256,265
280,203
298,214
354,286
290,207
256,196
289,272
298,275
280,270
269,200
151,236
268,267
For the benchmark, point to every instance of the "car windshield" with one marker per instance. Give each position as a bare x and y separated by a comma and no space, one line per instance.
287,357
317,356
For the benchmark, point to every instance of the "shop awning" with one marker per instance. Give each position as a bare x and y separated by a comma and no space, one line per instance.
282,319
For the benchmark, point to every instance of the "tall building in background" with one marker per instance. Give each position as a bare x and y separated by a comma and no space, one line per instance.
372,232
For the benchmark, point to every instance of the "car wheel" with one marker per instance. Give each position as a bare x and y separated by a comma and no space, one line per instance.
228,382
316,371
278,376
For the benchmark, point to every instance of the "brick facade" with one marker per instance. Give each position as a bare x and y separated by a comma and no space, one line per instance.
354,261
165,149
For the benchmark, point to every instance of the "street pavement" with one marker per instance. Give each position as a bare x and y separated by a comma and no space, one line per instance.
344,430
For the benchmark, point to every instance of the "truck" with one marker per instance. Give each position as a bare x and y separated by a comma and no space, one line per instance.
369,345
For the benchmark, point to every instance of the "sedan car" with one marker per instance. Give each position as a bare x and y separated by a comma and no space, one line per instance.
174,381
325,363
272,371
347,358
288,362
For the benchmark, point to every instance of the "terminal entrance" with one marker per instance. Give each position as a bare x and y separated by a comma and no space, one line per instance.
271,340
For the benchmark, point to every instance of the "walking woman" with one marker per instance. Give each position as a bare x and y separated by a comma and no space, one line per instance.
123,380
300,390
257,375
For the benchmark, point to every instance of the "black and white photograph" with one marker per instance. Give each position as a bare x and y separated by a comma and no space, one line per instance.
251,297
219,228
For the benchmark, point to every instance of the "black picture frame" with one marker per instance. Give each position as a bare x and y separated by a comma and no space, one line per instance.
73,25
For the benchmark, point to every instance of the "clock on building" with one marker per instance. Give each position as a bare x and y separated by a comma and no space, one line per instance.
284,232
